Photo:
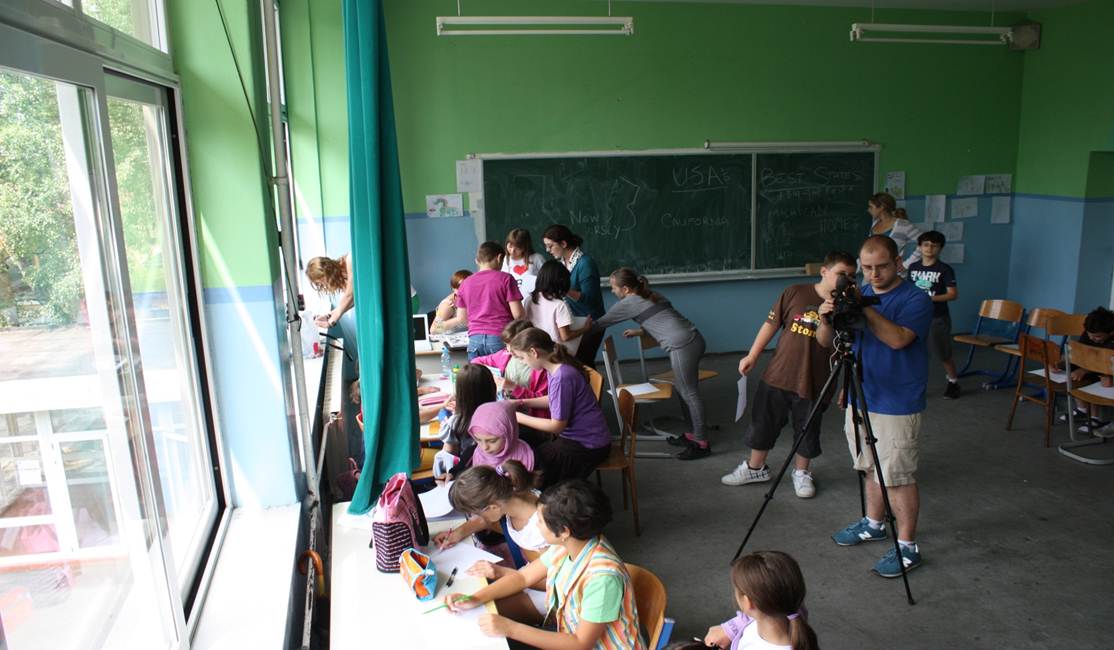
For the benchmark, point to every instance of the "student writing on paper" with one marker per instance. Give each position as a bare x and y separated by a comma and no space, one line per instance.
677,335
791,384
547,310
1098,330
584,295
474,387
520,381
588,590
575,438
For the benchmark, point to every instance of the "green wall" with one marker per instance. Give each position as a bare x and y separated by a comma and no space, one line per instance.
1067,100
230,195
691,72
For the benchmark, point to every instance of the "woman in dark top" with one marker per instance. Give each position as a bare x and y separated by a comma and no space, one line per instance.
584,297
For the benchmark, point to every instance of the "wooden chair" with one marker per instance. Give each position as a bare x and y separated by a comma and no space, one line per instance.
595,379
1047,354
622,454
1098,360
1004,311
650,598
1038,320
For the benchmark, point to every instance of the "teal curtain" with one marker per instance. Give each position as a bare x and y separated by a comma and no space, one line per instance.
382,282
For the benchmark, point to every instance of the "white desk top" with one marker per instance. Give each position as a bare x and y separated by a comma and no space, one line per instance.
377,610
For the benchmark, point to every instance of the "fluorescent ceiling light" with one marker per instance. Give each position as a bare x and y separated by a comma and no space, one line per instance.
534,25
977,35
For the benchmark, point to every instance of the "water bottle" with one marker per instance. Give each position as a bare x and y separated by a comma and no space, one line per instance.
456,369
446,361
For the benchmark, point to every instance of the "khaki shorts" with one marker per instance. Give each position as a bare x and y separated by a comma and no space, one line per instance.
897,446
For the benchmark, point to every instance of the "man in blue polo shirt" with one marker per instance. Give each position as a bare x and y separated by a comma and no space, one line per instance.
895,376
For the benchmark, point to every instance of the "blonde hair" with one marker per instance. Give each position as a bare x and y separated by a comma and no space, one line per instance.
327,275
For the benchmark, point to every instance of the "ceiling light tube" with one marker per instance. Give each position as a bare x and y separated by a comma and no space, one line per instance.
535,25
1000,35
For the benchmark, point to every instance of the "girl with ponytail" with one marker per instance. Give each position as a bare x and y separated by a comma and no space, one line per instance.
575,438
892,221
770,592
678,336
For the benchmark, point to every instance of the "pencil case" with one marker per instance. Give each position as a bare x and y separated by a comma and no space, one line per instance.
419,572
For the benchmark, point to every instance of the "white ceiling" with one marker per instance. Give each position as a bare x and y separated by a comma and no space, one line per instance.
949,5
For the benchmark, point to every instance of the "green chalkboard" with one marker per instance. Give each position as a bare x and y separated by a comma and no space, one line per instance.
687,213
810,204
658,214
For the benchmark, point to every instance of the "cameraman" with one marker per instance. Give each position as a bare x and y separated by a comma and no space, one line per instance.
894,368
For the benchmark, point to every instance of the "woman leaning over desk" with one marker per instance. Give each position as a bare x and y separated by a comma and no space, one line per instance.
584,296
330,276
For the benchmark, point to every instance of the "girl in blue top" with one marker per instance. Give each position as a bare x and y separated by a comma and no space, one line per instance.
584,296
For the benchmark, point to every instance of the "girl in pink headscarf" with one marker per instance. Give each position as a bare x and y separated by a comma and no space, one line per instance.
495,430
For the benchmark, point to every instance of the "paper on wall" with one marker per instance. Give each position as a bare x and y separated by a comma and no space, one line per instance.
999,183
895,184
444,205
953,254
952,231
469,175
965,208
1000,209
969,185
934,205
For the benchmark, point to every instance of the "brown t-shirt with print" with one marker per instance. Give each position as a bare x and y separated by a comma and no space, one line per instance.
800,363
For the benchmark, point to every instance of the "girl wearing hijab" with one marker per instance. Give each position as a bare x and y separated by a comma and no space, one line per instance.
495,430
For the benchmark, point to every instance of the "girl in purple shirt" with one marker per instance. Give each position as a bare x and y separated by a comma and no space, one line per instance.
575,438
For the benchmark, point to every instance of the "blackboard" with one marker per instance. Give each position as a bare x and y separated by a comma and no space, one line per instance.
810,204
690,213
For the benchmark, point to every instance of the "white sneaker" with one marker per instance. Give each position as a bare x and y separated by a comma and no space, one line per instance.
802,484
743,474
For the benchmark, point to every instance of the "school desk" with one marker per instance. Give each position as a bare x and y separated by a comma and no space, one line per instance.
377,610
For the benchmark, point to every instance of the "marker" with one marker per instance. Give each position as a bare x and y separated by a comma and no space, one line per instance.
452,575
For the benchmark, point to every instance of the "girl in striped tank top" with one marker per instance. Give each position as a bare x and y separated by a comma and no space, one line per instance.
588,590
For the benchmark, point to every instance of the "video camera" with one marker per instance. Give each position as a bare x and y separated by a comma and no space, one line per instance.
848,303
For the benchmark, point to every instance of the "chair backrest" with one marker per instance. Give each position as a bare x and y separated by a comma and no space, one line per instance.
1006,310
1091,358
1042,351
611,363
628,416
650,598
1066,325
595,380
1039,317
645,342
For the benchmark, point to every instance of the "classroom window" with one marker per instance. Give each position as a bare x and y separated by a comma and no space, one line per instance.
142,19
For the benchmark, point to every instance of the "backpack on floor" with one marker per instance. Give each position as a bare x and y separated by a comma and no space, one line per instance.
398,523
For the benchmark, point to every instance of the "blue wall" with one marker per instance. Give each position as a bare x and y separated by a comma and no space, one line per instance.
1096,255
1045,251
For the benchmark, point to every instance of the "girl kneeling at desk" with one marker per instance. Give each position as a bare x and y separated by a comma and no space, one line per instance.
575,438
677,336
520,381
588,590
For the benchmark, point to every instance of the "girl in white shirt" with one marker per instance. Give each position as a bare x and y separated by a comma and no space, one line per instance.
547,310
521,259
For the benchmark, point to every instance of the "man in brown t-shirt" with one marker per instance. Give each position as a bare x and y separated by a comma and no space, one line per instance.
793,379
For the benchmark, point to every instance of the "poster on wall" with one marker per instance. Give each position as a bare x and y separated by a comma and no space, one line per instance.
1000,209
895,184
469,175
934,205
444,205
999,183
965,208
970,185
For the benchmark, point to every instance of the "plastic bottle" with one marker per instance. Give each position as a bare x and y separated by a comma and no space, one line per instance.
456,369
446,361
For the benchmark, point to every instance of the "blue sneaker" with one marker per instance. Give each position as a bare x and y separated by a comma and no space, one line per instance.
887,567
859,532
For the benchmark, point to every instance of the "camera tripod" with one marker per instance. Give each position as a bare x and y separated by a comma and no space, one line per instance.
847,366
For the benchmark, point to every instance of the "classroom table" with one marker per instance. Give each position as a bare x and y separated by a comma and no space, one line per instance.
377,610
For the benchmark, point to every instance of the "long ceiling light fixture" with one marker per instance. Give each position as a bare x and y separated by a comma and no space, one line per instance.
1025,36
608,25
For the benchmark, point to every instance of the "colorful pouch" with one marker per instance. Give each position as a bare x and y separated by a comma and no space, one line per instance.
419,572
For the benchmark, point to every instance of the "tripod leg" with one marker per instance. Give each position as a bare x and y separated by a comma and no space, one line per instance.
848,389
890,519
825,392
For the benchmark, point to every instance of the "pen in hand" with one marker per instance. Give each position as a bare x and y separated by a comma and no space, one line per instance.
463,598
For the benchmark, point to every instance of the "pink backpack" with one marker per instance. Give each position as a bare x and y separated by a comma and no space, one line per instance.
398,523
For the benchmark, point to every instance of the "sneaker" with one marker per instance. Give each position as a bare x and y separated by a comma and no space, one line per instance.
694,451
1079,415
802,484
859,532
683,440
888,567
952,391
743,474
1091,426
1105,432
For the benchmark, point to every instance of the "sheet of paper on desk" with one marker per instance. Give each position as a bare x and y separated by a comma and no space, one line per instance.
741,405
1059,377
1099,390
455,630
358,522
435,502
641,389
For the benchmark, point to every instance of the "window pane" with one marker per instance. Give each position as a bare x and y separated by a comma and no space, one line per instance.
138,18
75,555
188,488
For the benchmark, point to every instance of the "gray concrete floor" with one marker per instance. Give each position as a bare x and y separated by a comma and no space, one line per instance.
1016,538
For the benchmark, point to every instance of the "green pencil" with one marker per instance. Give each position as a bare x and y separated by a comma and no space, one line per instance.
444,605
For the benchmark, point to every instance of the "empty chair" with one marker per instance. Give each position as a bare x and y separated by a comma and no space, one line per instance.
1038,320
1006,312
1047,354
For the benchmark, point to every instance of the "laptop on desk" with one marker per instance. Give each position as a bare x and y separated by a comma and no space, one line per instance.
422,343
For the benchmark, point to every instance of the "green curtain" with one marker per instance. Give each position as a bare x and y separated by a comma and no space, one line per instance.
382,282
